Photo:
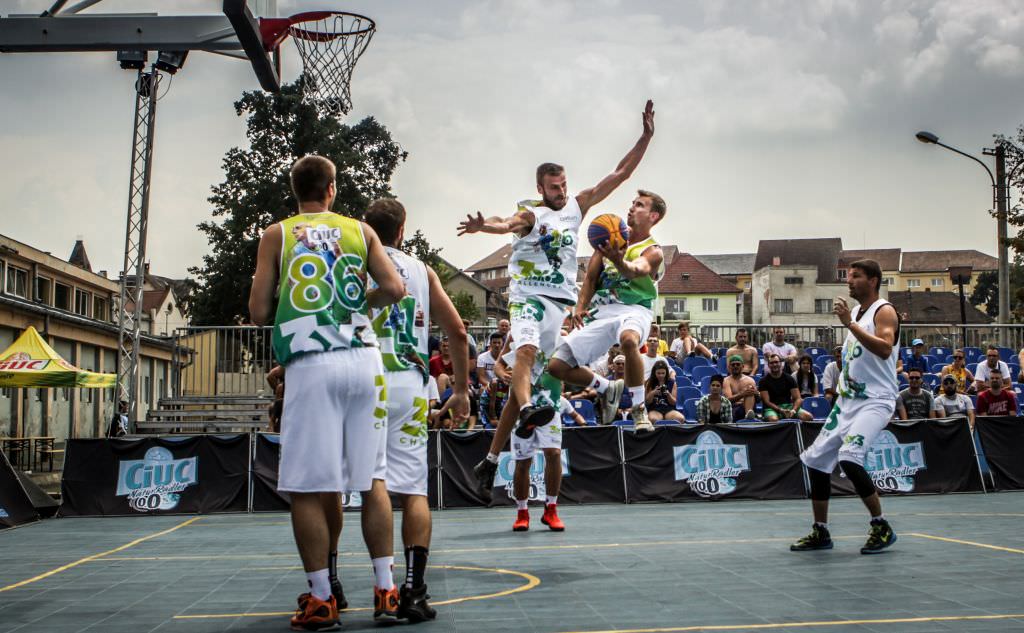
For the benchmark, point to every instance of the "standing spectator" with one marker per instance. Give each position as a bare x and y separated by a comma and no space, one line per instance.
740,389
958,370
915,360
991,365
602,366
656,333
485,362
806,380
916,403
503,329
747,352
651,358
830,377
785,350
779,394
997,400
685,344
660,394
714,408
955,404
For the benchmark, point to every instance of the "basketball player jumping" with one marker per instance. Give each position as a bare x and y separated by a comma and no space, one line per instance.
543,274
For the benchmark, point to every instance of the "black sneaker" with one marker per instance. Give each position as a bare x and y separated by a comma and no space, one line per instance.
412,604
339,594
819,538
880,537
531,417
485,472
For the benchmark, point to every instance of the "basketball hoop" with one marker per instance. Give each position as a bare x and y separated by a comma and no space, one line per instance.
329,43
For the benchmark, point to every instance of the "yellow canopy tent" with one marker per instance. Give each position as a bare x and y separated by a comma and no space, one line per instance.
30,362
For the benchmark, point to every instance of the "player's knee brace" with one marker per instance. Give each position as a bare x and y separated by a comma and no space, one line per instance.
860,478
821,484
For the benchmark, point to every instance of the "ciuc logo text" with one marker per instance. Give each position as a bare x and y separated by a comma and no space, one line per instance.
892,465
507,470
156,481
709,465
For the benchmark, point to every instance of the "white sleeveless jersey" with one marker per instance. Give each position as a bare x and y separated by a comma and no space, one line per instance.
544,261
402,328
865,375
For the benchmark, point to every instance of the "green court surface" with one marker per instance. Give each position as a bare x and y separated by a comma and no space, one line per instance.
958,566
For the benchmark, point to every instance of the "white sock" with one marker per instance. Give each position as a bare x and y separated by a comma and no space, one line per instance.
637,394
492,457
522,504
600,384
551,501
319,584
382,568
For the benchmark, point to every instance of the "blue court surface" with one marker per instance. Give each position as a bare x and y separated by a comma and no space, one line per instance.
958,566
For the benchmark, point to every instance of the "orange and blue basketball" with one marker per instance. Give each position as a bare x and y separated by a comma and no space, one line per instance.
609,228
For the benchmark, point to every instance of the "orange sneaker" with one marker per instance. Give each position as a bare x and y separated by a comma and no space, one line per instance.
385,604
315,614
522,523
551,519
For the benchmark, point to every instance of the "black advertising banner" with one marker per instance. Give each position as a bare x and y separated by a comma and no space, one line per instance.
266,497
920,456
1003,442
15,506
196,474
678,463
591,468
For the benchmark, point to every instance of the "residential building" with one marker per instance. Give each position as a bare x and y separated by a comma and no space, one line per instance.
888,259
938,308
485,295
690,291
739,269
929,270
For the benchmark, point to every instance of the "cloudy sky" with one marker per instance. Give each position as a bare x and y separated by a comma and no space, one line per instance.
775,119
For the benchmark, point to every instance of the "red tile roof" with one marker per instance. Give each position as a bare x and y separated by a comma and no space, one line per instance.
700,279
887,258
497,259
939,261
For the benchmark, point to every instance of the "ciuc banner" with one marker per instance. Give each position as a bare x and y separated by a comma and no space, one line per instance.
678,463
1003,442
919,456
172,475
15,506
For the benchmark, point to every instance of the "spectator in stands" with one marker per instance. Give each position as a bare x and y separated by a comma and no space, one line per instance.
504,327
779,393
955,404
685,345
958,370
619,373
746,352
651,358
806,380
740,389
570,416
470,339
916,403
660,394
714,408
485,361
785,350
915,360
493,398
441,366
997,400
656,333
603,366
1020,363
991,365
830,377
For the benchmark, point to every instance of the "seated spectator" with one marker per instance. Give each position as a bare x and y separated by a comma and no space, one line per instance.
997,400
1020,363
504,327
955,404
747,352
830,377
656,333
786,351
916,403
485,361
958,370
991,365
651,358
660,394
740,389
493,399
714,408
441,365
806,379
686,345
602,366
779,394
915,360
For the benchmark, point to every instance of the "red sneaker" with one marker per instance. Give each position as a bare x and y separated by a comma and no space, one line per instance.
551,519
385,604
522,523
315,614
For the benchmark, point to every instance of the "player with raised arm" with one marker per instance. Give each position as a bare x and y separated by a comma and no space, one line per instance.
542,289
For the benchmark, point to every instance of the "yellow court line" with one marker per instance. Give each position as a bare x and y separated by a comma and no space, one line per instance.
975,544
794,625
97,556
531,582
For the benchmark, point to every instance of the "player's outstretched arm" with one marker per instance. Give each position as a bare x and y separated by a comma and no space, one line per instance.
390,287
589,197
521,223
880,344
261,295
443,312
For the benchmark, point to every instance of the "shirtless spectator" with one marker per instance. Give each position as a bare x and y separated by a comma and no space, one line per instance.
740,389
958,370
685,344
747,352
786,351
997,400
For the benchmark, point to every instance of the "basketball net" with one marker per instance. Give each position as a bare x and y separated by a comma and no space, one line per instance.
330,44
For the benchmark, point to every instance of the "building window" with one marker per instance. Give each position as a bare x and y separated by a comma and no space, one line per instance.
936,282
17,282
675,306
746,285
784,306
841,273
83,302
44,288
62,296
823,306
913,283
99,308
888,281
709,305
790,281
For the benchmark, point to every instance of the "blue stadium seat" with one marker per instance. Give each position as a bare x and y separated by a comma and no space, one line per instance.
972,354
686,393
931,380
723,365
1014,370
683,381
903,383
817,406
667,423
936,366
1007,355
940,352
815,352
622,423
974,400
1019,390
821,362
700,373
693,362
690,409
705,385
586,409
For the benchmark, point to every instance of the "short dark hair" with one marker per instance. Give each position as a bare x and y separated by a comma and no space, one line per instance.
549,169
769,357
311,176
657,202
915,369
386,216
715,378
870,268
992,347
496,335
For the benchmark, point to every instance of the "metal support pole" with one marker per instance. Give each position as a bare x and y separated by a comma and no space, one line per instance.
963,312
134,270
1004,257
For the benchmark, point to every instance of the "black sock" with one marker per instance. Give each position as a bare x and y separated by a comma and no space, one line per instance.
332,566
415,565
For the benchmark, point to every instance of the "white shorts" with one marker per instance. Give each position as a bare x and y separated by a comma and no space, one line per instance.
547,436
584,346
334,424
849,431
537,321
407,432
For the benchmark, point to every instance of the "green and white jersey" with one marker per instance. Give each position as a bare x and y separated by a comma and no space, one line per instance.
865,375
547,392
402,328
543,262
612,287
321,304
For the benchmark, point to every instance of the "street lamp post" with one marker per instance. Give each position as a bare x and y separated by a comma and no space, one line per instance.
961,275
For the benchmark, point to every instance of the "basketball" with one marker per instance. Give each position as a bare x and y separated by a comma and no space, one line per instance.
607,227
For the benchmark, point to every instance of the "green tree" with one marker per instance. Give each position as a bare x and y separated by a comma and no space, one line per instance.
986,290
465,305
256,192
